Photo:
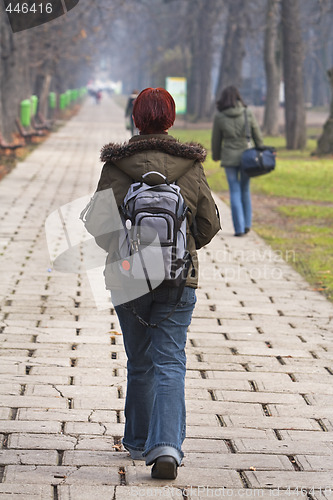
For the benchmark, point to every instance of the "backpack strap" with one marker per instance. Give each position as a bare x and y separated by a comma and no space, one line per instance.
247,129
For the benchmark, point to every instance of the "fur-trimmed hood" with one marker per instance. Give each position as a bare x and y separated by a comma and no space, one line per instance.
162,143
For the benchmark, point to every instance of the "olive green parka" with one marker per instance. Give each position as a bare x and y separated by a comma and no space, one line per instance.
179,162
229,137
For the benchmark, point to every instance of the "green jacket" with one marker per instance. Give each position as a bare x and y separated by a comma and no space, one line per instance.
229,138
126,163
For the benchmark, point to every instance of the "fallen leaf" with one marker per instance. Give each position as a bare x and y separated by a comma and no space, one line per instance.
114,332
118,447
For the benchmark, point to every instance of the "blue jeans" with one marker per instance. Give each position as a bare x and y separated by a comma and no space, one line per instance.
156,365
240,198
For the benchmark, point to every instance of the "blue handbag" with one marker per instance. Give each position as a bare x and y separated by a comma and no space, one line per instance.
259,160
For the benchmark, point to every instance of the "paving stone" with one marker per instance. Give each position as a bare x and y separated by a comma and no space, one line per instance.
273,422
205,419
299,366
292,480
76,371
32,402
197,394
5,413
323,493
305,411
277,378
224,432
27,474
72,391
308,435
86,492
223,407
10,367
194,364
152,491
57,415
296,387
96,458
41,442
258,397
316,463
237,461
26,491
14,426
105,363
199,445
36,379
94,428
28,457
214,384
41,361
221,359
93,443
284,447
267,494
192,374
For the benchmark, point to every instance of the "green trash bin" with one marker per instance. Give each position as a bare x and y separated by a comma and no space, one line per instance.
25,112
34,104
62,102
69,97
52,100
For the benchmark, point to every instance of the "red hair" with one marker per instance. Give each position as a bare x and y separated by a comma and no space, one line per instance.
154,111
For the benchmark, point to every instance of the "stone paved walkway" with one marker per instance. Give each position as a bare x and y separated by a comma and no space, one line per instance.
260,357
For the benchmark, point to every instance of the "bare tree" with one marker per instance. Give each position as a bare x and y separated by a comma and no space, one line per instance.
14,77
234,46
273,67
201,22
293,75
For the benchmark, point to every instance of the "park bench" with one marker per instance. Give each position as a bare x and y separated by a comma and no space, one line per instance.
29,134
12,146
41,123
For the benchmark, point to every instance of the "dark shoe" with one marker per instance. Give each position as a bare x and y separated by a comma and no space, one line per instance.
239,234
247,230
165,467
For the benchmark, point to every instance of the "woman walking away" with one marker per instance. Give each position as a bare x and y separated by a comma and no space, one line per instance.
228,143
155,347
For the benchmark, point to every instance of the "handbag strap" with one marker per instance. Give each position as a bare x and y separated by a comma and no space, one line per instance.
247,130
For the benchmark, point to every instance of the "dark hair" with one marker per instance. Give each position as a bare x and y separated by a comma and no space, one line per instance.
154,111
229,98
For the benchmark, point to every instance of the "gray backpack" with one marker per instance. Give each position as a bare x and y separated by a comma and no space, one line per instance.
154,236
154,216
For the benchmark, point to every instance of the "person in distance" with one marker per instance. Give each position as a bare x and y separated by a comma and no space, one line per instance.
228,143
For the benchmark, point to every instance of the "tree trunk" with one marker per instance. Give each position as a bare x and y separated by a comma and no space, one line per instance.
199,80
325,141
233,48
272,56
43,104
14,75
293,75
